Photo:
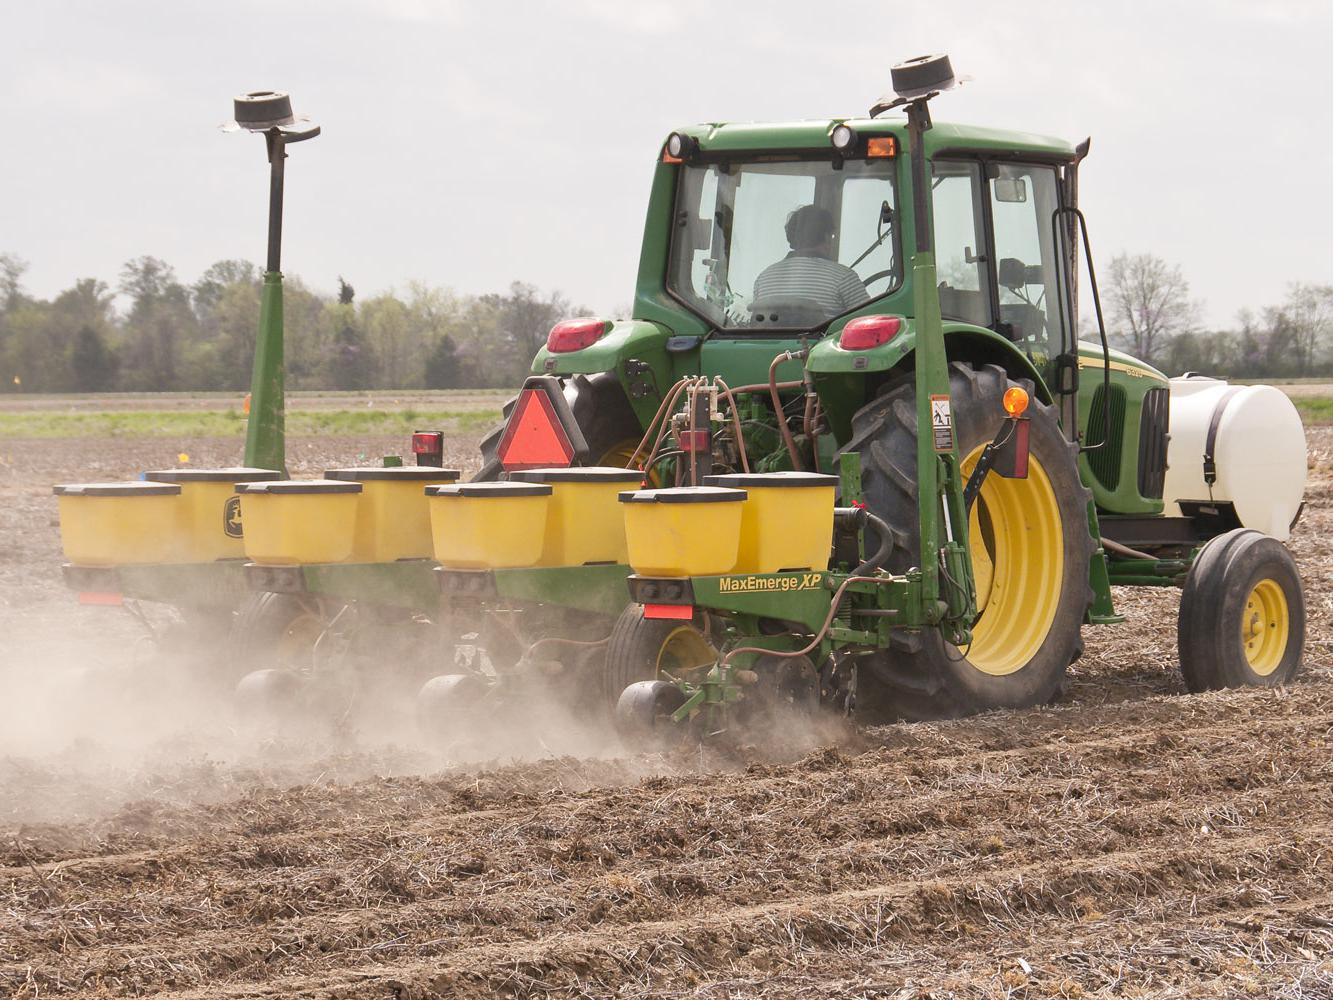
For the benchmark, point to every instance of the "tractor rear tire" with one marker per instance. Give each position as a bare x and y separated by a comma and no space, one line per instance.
1242,614
603,414
650,649
1030,547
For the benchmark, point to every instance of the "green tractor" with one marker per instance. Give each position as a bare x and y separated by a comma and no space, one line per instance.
894,302
866,330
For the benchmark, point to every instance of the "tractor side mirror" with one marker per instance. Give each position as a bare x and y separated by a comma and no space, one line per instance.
1011,189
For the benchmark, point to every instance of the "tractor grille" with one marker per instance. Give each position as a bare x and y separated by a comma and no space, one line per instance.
1105,462
1152,443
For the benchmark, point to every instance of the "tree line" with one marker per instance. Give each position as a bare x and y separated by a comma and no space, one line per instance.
154,332
1150,314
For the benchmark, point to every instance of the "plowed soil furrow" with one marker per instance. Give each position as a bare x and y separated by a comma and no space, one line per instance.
557,890
1146,764
626,897
1023,756
902,912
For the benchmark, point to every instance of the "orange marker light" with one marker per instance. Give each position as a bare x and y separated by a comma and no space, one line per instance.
1015,400
883,145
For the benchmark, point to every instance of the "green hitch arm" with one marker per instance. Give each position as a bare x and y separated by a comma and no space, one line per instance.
265,431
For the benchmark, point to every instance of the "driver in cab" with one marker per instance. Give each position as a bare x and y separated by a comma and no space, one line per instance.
809,272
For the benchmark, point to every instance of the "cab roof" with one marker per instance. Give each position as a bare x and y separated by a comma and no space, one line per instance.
742,137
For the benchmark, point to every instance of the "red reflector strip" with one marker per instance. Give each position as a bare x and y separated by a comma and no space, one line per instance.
1021,449
675,612
427,444
100,598
694,441
533,437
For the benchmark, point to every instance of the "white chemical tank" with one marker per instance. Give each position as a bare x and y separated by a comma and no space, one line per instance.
1258,451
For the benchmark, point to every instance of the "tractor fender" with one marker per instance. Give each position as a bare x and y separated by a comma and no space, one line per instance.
633,351
962,342
627,338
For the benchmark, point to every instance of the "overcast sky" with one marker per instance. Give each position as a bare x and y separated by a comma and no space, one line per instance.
469,144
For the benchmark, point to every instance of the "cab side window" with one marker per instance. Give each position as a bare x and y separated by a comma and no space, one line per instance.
960,259
1023,199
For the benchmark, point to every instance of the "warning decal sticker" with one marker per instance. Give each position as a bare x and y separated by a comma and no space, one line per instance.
941,423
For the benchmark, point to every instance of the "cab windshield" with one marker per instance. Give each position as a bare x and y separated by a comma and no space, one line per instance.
783,245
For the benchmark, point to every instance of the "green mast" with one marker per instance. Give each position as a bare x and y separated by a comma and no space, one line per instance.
269,113
940,507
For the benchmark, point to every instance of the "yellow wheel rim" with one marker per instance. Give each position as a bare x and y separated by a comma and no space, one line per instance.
684,650
618,456
1264,627
1016,539
294,647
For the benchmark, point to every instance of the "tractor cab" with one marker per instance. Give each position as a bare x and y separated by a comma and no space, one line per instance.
794,230
759,245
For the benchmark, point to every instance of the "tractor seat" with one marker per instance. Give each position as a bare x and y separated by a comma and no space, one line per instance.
786,312
1026,322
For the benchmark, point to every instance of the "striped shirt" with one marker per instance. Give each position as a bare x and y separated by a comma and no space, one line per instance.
825,284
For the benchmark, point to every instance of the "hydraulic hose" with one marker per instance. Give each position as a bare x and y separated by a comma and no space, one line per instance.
1124,550
859,575
807,415
667,401
748,390
557,640
667,406
787,438
554,640
819,636
885,549
735,422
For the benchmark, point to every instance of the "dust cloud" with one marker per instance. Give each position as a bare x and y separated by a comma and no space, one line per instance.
103,708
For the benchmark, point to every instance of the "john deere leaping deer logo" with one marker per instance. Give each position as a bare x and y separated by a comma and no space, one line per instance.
231,517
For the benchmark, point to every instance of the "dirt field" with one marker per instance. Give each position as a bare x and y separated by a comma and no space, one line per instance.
1128,841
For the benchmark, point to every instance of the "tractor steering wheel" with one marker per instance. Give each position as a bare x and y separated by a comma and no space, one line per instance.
886,273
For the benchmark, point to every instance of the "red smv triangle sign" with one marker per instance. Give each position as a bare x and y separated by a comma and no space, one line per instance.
533,437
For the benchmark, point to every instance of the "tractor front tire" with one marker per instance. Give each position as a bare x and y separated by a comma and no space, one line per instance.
1030,549
1242,614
